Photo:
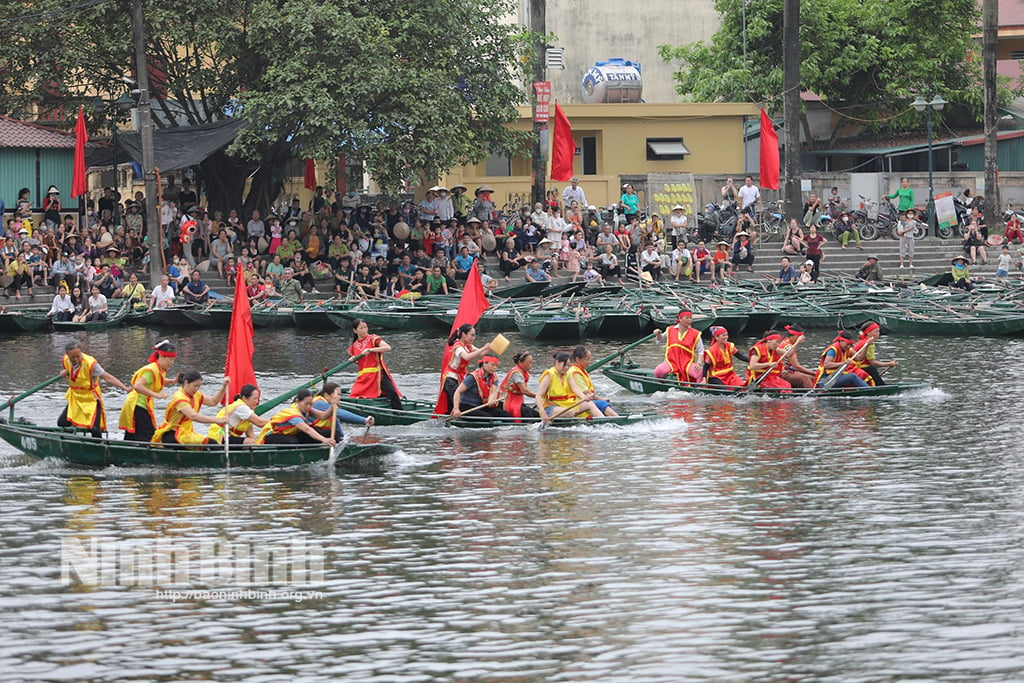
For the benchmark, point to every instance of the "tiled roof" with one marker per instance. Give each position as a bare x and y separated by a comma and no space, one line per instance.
14,133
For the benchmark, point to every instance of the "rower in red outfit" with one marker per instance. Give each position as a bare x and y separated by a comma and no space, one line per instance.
718,368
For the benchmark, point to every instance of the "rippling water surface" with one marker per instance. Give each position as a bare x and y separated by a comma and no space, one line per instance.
802,540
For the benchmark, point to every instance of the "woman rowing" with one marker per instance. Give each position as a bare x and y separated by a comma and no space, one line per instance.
374,379
684,350
579,380
863,357
718,367
836,358
241,418
183,411
325,409
793,372
555,396
765,365
459,353
515,386
138,414
293,425
84,396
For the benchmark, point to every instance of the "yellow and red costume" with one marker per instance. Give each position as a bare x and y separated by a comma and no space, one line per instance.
176,422
371,369
840,356
718,362
681,351
157,379
216,432
458,373
560,393
514,397
279,423
764,355
84,396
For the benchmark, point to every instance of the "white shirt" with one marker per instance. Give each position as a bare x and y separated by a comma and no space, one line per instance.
62,304
162,296
240,415
678,222
650,257
97,303
571,193
445,210
748,195
556,225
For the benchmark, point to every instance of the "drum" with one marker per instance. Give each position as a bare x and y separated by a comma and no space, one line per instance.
487,241
401,230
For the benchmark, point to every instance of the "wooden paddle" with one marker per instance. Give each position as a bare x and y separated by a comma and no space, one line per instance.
834,377
9,403
274,402
609,358
332,451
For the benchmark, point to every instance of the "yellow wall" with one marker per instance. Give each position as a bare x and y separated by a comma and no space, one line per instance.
712,132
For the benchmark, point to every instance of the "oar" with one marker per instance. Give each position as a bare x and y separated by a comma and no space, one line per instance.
333,451
541,425
9,403
757,382
609,358
227,425
274,402
834,377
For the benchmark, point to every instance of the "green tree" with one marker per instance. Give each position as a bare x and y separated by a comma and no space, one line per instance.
864,59
411,88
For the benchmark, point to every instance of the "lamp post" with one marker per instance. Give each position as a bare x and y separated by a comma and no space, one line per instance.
922,103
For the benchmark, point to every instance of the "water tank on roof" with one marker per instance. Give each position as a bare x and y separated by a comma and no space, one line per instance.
615,80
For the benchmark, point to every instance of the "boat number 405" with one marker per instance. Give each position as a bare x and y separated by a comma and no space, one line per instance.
28,443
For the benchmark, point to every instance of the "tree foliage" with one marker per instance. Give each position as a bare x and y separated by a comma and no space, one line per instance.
866,59
411,88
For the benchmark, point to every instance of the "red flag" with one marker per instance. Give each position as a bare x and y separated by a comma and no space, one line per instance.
309,178
78,184
471,306
240,348
769,179
563,148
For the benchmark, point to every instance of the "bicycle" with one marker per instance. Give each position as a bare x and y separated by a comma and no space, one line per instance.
772,223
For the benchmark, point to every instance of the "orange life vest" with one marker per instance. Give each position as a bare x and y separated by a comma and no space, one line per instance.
513,397
719,361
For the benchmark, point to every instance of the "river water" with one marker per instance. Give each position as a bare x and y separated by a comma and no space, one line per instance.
800,540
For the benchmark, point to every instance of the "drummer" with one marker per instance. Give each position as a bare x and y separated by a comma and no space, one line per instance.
374,379
183,410
458,354
684,350
241,418
85,399
138,414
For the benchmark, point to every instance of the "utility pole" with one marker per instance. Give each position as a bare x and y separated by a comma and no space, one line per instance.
791,104
989,35
156,237
539,165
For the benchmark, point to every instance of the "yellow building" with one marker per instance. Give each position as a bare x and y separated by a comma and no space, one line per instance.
618,142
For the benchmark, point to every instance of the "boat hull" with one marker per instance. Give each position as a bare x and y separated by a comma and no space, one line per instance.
75,447
643,381
421,411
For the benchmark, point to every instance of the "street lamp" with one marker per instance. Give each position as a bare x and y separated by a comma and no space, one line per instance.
921,103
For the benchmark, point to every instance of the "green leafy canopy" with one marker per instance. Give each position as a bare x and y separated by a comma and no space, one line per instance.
866,59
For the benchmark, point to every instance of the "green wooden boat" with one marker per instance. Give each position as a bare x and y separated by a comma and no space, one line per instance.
643,381
552,325
500,319
174,317
273,317
405,319
946,324
77,447
119,311
526,290
315,317
422,411
16,322
605,322
215,317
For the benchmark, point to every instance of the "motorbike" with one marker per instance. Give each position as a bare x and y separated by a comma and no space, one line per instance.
718,222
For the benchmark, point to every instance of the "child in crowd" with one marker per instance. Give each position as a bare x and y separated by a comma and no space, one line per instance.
1003,263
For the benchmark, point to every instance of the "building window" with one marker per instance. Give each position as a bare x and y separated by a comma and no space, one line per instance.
498,166
666,149
589,155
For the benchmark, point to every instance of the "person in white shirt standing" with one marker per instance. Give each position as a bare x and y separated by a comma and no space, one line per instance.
677,222
445,208
750,196
574,192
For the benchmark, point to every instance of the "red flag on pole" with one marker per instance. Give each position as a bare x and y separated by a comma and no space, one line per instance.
471,306
309,178
78,184
240,348
769,179
563,148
